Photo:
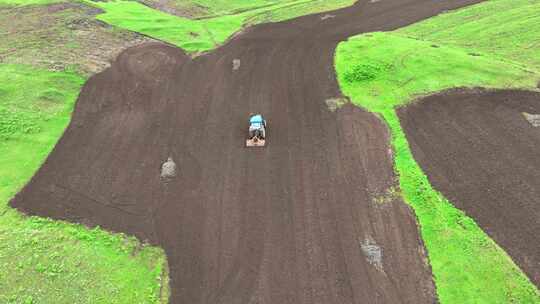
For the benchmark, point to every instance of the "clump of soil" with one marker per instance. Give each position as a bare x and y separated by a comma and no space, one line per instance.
168,169
335,103
533,119
236,64
391,194
327,16
373,253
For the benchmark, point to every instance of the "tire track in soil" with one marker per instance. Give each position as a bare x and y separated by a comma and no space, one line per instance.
282,224
478,149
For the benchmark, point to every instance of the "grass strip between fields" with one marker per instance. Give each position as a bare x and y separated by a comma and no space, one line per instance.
381,71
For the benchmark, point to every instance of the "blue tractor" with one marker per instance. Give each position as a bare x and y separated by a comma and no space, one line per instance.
257,131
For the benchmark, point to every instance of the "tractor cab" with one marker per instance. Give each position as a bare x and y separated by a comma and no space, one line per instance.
256,131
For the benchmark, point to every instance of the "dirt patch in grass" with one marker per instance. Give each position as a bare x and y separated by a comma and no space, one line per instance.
61,37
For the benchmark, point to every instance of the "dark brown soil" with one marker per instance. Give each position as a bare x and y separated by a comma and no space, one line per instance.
480,151
300,221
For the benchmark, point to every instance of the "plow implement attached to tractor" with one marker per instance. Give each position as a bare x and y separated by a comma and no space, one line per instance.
255,142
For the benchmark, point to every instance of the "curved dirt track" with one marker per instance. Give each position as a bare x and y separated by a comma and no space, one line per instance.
285,224
480,151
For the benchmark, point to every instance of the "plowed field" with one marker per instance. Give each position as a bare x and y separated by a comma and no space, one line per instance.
311,218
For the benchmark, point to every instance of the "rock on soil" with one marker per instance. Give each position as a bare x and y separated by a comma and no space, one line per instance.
168,170
373,253
533,119
236,64
335,103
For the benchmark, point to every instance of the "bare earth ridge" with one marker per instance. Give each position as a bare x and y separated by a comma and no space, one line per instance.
304,220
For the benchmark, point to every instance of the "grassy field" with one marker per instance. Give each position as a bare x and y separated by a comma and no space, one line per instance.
31,35
28,2
211,8
203,34
198,9
471,47
45,261
229,7
191,35
507,29
297,8
389,70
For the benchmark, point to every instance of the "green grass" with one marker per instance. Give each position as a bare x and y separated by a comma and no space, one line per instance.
508,29
45,261
191,35
204,34
31,35
28,2
388,70
229,7
297,8
381,71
